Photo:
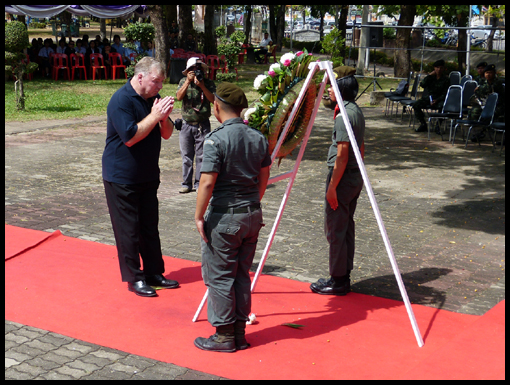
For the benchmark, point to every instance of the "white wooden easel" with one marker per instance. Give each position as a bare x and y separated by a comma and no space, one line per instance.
327,67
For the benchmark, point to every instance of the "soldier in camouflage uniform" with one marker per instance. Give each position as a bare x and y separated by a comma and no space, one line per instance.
480,68
435,87
196,97
488,85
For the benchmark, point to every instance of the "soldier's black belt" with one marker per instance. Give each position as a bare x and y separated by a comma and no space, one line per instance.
236,210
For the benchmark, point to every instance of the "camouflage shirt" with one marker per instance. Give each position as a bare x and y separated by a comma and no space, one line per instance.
437,88
195,106
485,88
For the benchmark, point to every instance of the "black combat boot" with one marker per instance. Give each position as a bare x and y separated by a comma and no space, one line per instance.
239,335
221,341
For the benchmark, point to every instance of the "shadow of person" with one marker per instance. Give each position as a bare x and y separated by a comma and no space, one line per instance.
386,286
327,314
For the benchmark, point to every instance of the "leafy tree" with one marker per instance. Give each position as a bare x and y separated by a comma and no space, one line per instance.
16,40
332,44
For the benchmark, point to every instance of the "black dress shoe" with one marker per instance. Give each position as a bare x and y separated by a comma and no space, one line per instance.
160,281
330,287
142,289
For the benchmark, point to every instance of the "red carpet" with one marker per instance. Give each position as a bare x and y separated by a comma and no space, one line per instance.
72,287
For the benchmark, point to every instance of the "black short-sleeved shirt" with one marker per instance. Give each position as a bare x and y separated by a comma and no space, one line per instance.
237,153
340,134
138,163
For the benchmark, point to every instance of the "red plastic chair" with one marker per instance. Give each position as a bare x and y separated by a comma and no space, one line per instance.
78,63
213,62
97,63
242,54
116,60
60,62
200,56
132,56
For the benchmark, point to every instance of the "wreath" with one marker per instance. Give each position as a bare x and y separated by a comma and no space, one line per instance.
279,88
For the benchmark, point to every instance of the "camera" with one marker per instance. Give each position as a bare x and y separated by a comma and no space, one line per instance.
178,124
199,75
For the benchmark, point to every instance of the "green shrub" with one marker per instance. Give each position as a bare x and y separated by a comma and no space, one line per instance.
36,25
230,47
227,77
140,32
16,36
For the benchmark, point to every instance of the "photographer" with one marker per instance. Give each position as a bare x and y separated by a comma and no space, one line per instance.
197,94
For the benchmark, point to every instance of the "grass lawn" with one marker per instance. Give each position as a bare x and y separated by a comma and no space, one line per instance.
62,99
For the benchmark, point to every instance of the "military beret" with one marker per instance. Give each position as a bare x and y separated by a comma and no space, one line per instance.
231,94
343,71
490,67
439,63
481,64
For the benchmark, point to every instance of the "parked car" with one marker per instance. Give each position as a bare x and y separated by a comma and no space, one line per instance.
481,32
499,35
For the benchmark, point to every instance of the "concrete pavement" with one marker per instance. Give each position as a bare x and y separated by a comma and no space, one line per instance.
443,209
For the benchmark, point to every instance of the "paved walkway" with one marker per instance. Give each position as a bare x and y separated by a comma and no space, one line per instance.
443,209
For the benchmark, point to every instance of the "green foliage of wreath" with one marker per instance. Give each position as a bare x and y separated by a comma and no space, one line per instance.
279,88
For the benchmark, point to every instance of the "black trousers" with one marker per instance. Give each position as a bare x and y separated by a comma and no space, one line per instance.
134,214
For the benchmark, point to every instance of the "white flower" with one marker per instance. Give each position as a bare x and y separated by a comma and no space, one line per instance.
248,112
274,66
258,81
288,56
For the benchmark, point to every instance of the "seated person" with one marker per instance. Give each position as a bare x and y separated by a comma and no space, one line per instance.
480,68
33,50
489,84
92,49
62,46
107,50
260,55
435,87
44,55
80,48
190,45
128,51
149,49
118,47
173,41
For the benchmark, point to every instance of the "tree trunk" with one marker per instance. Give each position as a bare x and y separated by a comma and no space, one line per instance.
360,69
185,22
402,55
490,40
280,27
171,14
19,89
210,36
462,41
247,24
102,28
321,27
161,43
342,26
272,23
